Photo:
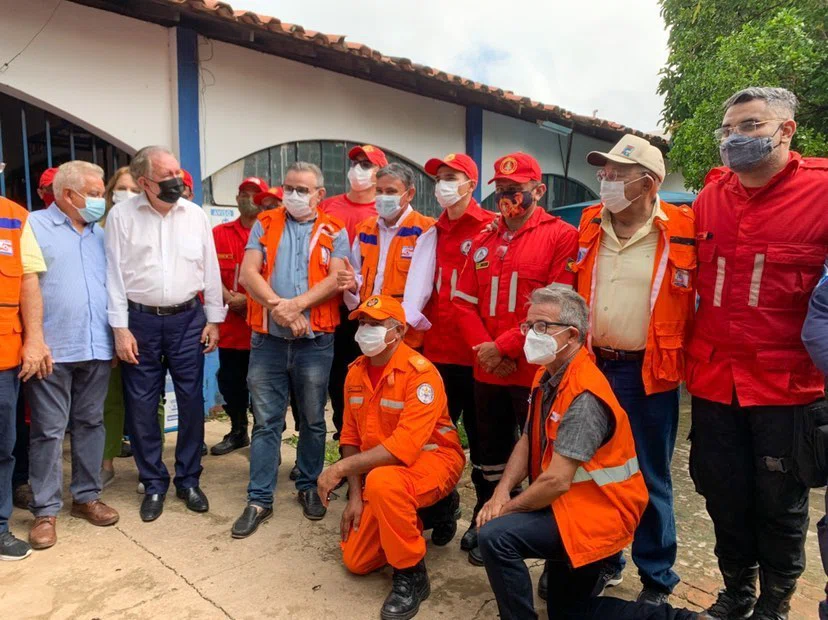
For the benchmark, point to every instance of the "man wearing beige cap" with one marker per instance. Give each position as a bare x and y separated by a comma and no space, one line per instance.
636,268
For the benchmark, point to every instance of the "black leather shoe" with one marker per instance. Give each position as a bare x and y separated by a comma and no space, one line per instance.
410,588
294,473
445,524
249,521
126,450
475,557
195,498
232,441
543,582
152,506
469,540
312,506
651,596
203,449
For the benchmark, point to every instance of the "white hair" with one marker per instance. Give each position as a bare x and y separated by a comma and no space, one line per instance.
571,306
306,166
141,164
73,175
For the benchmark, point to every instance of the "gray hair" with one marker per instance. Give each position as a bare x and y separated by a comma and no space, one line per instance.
73,175
306,166
401,172
141,164
780,99
572,307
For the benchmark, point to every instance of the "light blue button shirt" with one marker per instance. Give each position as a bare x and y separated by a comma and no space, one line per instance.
75,323
290,273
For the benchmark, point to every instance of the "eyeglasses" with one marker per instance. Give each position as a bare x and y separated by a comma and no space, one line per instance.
364,164
540,327
612,175
302,191
743,128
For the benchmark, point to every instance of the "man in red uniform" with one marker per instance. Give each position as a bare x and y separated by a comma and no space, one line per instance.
234,333
528,249
762,239
269,199
44,186
352,208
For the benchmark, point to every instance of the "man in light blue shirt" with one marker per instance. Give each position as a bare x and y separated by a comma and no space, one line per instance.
76,329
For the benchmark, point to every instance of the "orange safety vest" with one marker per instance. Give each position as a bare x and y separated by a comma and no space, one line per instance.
12,220
672,296
325,316
599,514
397,263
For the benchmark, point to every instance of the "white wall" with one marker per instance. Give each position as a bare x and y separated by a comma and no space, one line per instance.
110,74
254,101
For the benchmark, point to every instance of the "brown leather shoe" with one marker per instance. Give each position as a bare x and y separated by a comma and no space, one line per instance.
96,512
43,533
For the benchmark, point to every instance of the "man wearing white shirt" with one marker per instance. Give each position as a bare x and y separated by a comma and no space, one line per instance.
384,248
160,256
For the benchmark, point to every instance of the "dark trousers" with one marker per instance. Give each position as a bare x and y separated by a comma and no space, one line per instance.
232,383
501,415
737,461
346,351
654,423
506,542
166,343
21,445
9,385
606,607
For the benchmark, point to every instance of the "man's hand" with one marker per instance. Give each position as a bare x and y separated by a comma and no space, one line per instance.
488,356
351,516
210,337
285,312
506,367
327,482
493,508
37,359
238,304
346,278
492,226
126,347
300,327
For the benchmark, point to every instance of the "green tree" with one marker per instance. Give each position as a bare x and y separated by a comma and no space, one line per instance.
718,47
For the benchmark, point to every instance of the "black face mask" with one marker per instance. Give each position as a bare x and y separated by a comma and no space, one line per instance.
171,190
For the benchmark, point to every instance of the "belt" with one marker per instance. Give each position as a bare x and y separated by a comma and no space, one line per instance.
613,355
163,310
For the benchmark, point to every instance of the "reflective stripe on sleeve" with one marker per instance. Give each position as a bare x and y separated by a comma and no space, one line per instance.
513,291
493,296
756,280
720,276
464,297
608,475
446,429
430,447
392,404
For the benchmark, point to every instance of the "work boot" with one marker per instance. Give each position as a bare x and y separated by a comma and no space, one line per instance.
441,519
775,596
410,588
43,533
233,440
738,598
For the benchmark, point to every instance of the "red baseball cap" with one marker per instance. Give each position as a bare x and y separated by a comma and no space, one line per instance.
254,182
459,161
47,178
273,192
187,178
374,155
518,167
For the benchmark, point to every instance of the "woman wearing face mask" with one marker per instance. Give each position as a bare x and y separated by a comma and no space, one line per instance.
585,494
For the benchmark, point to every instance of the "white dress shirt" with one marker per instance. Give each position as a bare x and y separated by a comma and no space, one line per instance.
160,260
420,279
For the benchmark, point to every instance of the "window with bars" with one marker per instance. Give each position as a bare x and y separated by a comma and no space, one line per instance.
330,155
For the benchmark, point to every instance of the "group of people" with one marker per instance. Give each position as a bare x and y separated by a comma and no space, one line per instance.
561,349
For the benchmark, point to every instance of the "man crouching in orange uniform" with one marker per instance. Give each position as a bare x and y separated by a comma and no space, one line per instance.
400,452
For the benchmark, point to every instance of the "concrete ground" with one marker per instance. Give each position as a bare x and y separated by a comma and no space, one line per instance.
185,565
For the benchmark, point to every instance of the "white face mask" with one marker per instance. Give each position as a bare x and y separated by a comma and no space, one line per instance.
388,206
448,193
541,349
360,178
119,195
298,205
613,196
371,339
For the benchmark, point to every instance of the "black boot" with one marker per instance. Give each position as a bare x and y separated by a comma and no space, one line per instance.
410,588
233,440
469,540
441,519
775,596
738,598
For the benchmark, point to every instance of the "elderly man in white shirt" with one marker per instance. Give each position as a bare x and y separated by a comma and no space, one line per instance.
160,256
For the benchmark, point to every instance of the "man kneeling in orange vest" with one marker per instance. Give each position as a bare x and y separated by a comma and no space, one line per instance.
400,452
586,494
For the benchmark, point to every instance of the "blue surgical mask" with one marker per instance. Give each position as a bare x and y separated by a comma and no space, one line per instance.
388,205
94,208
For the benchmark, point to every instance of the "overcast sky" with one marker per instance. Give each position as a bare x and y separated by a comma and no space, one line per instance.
582,55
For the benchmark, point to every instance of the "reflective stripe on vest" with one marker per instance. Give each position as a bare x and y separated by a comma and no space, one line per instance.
608,475
659,275
756,280
513,291
493,296
468,298
720,277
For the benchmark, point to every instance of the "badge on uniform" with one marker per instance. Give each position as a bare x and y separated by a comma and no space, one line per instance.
465,247
425,393
556,417
6,247
582,252
482,265
407,251
681,278
480,254
326,256
570,266
227,256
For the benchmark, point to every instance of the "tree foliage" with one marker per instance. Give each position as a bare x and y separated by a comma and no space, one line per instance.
718,47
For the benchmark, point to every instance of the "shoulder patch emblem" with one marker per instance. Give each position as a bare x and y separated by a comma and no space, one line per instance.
582,252
570,266
425,393
465,247
6,247
480,254
407,251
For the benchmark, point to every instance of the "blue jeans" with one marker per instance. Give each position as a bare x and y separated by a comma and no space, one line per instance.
8,420
275,365
654,422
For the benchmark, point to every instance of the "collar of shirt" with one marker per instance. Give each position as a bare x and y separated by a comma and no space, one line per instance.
141,200
550,383
646,228
383,226
59,218
473,211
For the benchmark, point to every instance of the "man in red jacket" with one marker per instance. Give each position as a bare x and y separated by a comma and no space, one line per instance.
762,240
527,250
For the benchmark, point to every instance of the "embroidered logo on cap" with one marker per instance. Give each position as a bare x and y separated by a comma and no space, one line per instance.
367,148
450,157
627,150
373,302
508,165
